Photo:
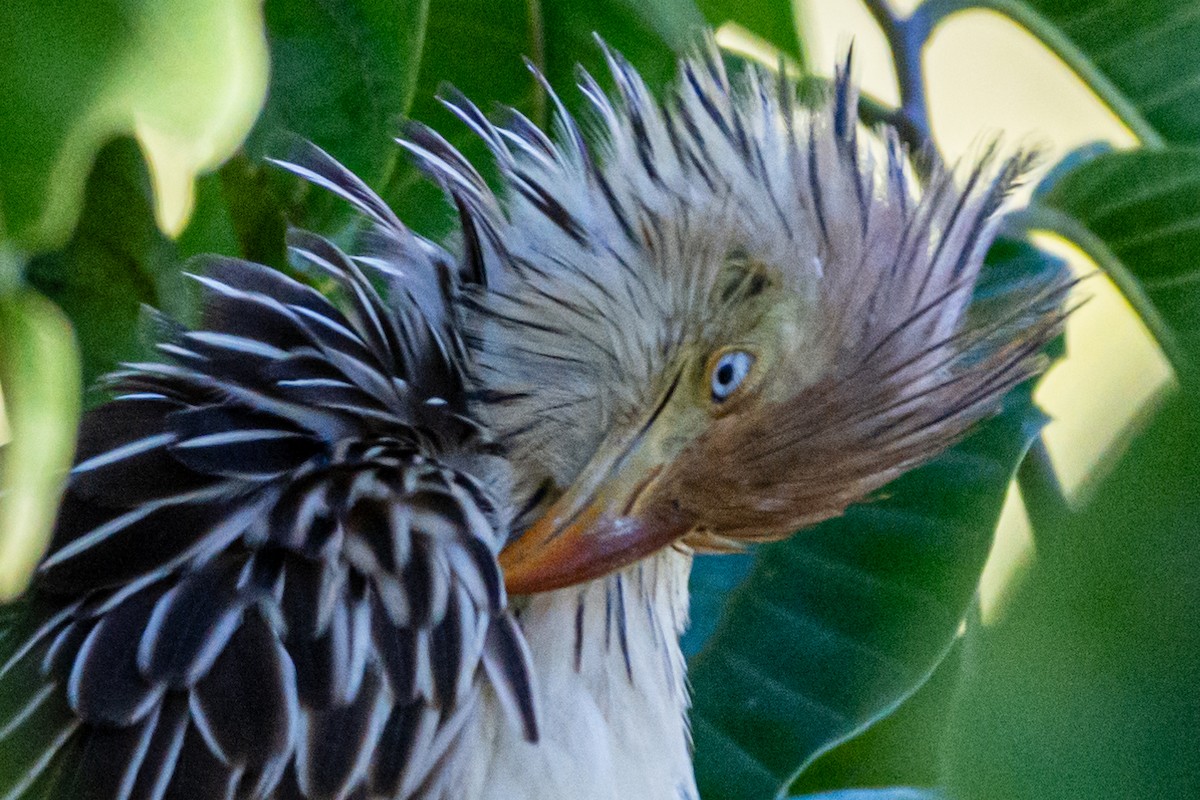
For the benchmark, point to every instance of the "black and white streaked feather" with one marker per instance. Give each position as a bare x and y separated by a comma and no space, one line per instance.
274,573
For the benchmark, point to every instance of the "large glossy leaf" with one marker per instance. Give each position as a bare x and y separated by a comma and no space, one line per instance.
342,75
1138,216
186,76
902,749
836,626
1138,55
1089,685
40,379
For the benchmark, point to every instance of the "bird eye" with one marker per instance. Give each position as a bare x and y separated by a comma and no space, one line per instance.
728,373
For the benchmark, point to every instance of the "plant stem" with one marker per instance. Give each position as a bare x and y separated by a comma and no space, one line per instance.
537,54
906,37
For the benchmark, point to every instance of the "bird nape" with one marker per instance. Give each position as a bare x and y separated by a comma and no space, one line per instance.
428,535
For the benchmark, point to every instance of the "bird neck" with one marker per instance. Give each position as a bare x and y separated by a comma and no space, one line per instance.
612,691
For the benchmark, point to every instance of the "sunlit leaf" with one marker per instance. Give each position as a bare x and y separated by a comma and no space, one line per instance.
39,374
836,626
186,76
1138,55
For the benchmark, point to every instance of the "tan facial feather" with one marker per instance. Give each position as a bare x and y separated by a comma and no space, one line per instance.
604,260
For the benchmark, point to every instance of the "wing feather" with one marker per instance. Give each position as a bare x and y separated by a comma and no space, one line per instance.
274,573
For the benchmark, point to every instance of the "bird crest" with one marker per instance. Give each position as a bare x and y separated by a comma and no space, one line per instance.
615,258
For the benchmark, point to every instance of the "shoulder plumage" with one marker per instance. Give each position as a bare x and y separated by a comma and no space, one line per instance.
274,572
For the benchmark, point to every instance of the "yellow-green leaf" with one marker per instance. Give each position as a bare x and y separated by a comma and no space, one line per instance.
39,373
187,77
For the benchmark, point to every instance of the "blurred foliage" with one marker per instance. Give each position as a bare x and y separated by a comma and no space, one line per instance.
185,75
40,375
1089,684
116,260
1084,686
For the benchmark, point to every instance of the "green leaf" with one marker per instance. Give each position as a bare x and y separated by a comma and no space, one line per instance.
116,261
478,47
39,375
185,76
343,75
904,748
833,628
1138,215
1089,684
650,35
713,578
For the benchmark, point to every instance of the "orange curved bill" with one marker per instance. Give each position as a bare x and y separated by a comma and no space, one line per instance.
568,546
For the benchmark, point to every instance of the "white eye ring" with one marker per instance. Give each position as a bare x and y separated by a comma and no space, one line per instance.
729,372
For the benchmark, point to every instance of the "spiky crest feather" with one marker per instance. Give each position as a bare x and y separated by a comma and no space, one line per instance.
603,258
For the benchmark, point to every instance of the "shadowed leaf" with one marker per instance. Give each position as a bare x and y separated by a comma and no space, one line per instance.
478,47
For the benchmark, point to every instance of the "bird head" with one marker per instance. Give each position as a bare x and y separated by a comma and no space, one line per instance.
722,317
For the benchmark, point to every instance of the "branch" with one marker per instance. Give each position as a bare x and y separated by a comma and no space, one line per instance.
906,37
